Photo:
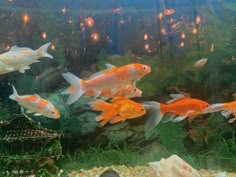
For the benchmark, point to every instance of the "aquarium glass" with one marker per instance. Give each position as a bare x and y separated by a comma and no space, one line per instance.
104,88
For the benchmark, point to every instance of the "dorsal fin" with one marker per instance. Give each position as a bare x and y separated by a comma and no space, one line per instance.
16,48
176,97
116,99
109,68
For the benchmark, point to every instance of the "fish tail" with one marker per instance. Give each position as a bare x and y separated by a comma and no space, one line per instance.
213,108
43,51
14,95
76,88
108,111
155,114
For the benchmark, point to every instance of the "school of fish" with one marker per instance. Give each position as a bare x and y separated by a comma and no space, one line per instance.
118,83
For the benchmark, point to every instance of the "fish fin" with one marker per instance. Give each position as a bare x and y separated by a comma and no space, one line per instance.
43,51
15,94
155,114
96,93
9,68
114,91
116,119
108,111
99,73
179,118
14,47
226,113
22,70
176,97
28,111
37,114
232,120
36,61
116,99
76,84
168,117
213,108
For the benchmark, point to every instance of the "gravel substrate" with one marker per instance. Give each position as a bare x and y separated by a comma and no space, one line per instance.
144,171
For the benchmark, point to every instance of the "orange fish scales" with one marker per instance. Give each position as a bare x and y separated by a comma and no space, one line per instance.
32,98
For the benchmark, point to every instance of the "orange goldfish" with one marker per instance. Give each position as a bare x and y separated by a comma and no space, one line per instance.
111,79
34,103
119,109
226,109
178,109
126,91
169,11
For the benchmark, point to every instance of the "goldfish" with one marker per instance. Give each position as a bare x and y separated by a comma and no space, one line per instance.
126,91
111,79
34,103
226,109
179,108
200,63
20,58
119,110
169,11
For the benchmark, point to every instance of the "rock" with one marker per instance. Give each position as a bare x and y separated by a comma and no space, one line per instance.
173,166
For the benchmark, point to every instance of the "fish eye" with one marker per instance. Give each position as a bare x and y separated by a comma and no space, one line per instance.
135,89
53,112
144,68
142,109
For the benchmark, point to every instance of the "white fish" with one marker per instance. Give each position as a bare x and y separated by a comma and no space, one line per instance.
34,103
20,58
200,63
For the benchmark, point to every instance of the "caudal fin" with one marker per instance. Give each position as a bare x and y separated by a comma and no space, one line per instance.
43,51
75,90
108,111
14,95
155,114
213,108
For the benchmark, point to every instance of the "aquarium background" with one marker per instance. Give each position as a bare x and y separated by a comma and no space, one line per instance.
85,35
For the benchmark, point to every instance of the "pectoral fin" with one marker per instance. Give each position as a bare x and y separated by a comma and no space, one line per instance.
37,114
179,118
116,119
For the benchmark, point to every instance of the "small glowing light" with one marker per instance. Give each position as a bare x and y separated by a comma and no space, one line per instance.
10,0
95,36
70,21
53,47
25,18
146,47
194,31
182,44
160,16
44,35
163,31
183,36
171,20
89,21
198,19
117,10
63,10
145,36
122,21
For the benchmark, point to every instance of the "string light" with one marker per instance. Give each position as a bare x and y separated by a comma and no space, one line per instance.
183,36
25,18
53,47
145,36
198,19
95,36
194,31
160,16
89,22
44,35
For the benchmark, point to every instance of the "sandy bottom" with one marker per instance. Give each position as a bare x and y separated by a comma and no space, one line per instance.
138,171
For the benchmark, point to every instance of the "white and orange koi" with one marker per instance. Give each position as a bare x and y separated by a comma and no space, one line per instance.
112,78
20,58
34,103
